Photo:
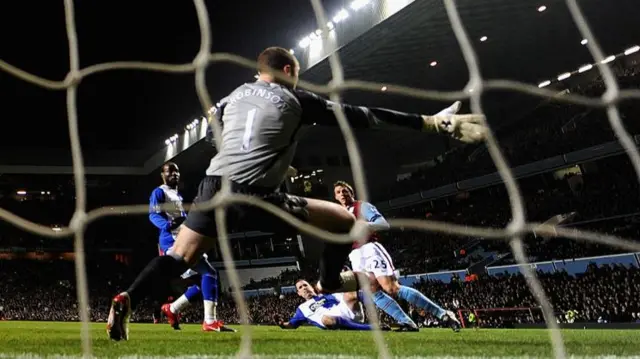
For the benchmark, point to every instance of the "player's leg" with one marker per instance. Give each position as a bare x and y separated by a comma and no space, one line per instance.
155,279
391,285
381,264
173,310
210,297
341,316
330,217
157,313
331,322
210,302
368,254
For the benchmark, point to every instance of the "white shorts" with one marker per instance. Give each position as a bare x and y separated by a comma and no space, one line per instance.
341,310
372,258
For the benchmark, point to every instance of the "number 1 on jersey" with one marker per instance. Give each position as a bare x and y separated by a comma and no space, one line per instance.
248,129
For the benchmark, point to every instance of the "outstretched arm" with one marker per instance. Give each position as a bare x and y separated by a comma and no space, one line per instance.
294,322
465,128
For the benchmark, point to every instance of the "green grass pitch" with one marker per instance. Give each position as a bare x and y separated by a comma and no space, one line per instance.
50,339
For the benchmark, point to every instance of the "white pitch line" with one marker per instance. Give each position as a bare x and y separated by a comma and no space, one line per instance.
297,356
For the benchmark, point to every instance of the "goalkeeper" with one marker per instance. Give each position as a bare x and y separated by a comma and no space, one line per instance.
261,124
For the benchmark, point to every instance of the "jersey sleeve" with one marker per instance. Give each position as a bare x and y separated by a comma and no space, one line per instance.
318,110
376,220
216,115
297,319
157,217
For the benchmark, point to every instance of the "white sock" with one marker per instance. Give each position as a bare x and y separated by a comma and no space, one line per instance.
210,314
179,304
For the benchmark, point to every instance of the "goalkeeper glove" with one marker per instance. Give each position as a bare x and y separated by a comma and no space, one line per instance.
469,128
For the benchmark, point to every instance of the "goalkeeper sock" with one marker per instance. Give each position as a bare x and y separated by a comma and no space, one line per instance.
392,308
155,279
419,300
344,323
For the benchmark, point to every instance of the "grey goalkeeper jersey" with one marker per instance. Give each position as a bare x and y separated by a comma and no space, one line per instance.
261,124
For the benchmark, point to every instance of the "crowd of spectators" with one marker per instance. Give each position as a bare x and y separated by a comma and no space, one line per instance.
601,294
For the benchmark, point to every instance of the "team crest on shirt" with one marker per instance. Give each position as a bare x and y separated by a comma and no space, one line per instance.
327,301
318,304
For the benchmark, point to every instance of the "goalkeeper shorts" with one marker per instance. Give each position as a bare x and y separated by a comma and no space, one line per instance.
240,217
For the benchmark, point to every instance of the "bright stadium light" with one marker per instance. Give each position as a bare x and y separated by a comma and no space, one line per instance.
384,88
433,63
304,43
564,76
167,142
608,59
544,84
359,4
291,51
483,39
542,8
584,42
631,50
585,68
341,16
42,192
21,192
171,139
56,229
330,26
318,32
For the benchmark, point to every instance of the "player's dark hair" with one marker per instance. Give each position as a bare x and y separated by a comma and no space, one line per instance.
275,58
345,185
168,164
295,284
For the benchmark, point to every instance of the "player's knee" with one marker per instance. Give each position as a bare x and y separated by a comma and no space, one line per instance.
375,286
329,322
189,246
391,287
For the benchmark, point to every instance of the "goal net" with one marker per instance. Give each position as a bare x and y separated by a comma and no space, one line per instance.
517,228
499,317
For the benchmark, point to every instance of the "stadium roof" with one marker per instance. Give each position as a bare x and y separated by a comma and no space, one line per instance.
125,116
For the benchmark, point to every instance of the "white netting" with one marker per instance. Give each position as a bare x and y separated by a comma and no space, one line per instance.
513,232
